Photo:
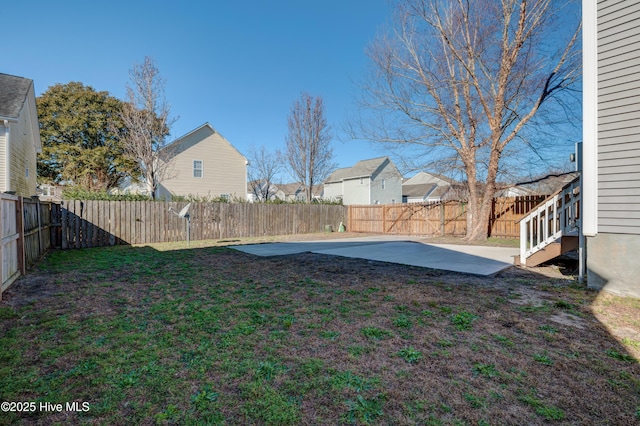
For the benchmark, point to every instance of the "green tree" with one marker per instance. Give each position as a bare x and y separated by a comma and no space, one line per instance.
80,128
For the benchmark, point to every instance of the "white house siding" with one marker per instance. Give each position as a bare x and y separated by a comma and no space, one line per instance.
224,169
23,157
357,191
612,199
332,190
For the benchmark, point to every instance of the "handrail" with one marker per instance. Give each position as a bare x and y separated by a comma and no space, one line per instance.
557,215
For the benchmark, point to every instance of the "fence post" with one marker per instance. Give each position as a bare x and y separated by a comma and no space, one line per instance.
442,223
20,228
384,219
64,213
40,241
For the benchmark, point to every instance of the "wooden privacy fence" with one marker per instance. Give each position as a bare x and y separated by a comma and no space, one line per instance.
27,231
439,218
10,232
409,219
41,225
103,223
506,212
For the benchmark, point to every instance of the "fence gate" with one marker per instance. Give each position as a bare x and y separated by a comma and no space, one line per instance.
10,227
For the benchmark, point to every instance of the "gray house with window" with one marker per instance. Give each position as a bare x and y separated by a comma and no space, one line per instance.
374,181
205,164
611,144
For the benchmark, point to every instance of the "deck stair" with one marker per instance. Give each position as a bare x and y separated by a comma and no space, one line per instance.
552,227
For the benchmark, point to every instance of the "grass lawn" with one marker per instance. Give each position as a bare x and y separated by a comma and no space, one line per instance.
209,335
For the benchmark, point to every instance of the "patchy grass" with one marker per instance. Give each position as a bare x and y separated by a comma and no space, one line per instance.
170,335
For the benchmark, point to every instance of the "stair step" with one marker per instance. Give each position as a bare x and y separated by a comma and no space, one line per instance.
553,250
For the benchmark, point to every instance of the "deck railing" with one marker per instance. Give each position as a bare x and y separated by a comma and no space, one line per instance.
557,216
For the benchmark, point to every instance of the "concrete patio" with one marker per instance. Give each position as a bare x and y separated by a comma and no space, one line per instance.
478,260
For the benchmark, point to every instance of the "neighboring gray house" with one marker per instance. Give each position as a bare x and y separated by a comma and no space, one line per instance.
611,144
426,187
374,181
19,135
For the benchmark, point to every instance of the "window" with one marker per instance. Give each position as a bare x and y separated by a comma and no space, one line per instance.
26,172
382,183
361,181
197,168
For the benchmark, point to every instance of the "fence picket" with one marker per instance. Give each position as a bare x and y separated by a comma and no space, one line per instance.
438,219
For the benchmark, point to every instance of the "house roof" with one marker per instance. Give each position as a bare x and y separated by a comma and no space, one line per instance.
13,95
289,188
428,177
545,185
418,190
363,168
179,140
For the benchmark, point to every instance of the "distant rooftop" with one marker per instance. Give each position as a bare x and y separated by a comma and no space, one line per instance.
363,168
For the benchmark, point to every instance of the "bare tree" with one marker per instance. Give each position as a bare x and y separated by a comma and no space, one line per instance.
146,120
457,81
264,167
308,151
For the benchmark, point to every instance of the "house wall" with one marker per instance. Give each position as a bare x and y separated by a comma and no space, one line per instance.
392,190
332,190
619,117
613,232
22,157
357,191
224,169
612,263
413,200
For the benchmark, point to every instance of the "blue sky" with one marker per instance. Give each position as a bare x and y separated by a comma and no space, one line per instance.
238,65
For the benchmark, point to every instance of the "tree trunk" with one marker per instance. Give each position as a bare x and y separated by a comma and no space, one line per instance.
478,216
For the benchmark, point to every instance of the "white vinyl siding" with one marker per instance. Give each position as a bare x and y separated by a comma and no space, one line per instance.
355,192
619,117
333,190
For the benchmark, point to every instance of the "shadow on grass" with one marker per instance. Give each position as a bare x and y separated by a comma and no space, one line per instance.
167,334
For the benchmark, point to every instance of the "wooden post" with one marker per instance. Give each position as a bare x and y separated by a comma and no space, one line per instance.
40,241
20,228
442,224
63,226
384,219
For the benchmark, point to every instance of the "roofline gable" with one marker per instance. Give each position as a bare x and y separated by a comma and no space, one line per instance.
179,140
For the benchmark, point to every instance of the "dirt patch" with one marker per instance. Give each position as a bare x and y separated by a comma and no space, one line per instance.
568,319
